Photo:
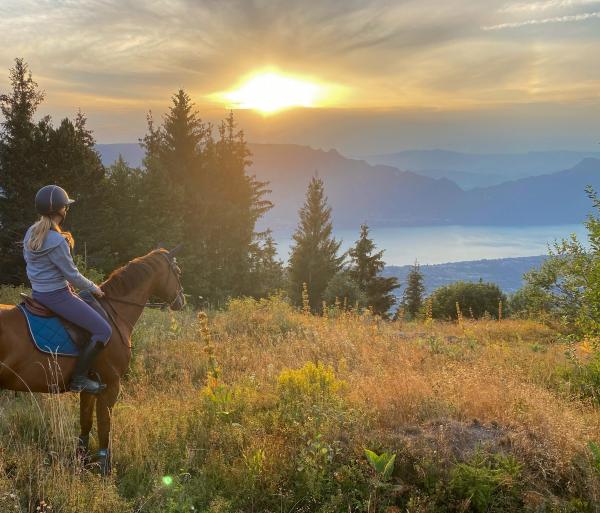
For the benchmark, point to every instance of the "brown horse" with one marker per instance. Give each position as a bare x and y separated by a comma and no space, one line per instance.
24,368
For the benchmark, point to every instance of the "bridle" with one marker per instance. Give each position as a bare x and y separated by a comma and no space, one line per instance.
176,273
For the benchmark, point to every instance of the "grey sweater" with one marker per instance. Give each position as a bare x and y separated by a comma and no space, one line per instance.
51,267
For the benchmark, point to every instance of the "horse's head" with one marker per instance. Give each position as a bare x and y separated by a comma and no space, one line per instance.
168,286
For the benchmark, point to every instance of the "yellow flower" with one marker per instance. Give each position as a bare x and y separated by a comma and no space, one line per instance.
586,347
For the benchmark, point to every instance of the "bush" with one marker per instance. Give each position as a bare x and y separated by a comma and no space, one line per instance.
567,284
530,302
486,482
585,378
344,289
474,300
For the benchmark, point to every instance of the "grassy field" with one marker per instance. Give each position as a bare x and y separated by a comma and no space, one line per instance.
261,408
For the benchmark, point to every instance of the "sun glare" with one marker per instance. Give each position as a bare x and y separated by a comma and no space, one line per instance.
270,92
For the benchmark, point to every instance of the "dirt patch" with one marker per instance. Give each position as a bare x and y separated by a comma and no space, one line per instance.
450,439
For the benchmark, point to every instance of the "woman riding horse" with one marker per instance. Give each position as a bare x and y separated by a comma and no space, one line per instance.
50,269
123,295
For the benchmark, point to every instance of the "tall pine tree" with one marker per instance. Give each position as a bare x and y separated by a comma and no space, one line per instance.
266,270
366,266
125,221
72,162
36,154
413,293
314,258
21,172
198,190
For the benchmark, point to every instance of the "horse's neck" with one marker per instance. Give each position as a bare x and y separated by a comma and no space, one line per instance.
135,299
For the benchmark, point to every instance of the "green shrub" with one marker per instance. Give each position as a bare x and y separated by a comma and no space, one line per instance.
345,290
566,287
595,454
474,299
530,301
585,378
487,482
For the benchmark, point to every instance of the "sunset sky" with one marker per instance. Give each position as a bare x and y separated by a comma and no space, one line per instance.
389,75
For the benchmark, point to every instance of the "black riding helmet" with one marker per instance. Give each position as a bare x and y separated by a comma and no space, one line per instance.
50,199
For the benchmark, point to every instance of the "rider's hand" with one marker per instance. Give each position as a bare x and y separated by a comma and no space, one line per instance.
98,292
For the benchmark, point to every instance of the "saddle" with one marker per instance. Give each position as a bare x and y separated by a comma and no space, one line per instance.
78,335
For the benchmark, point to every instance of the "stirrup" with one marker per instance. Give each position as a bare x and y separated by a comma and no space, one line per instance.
84,384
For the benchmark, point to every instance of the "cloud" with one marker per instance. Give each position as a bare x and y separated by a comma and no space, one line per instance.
544,21
547,5
122,57
134,49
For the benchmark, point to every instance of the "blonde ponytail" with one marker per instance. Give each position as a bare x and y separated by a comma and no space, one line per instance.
40,230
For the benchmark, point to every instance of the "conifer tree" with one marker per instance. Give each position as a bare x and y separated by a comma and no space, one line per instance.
124,229
72,162
36,154
198,189
365,270
162,203
234,201
266,270
314,258
21,173
183,135
413,293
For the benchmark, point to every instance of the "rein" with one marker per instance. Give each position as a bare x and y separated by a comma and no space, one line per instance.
133,303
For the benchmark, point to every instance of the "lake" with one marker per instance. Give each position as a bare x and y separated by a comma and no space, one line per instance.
440,244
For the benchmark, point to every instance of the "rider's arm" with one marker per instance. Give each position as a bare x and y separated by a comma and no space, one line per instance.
61,258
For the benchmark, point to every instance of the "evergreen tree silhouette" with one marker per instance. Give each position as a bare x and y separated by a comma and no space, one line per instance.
36,154
413,293
314,258
365,271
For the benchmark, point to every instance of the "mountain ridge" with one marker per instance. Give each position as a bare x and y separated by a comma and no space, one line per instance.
382,195
507,273
472,170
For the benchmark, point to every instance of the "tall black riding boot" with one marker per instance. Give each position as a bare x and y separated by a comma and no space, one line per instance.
79,380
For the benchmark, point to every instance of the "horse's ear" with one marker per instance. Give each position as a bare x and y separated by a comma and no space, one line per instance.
175,250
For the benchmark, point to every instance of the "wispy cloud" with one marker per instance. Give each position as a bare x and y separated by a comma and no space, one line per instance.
544,21
547,5
389,53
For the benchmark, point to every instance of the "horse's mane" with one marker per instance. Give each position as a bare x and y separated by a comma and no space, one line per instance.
123,279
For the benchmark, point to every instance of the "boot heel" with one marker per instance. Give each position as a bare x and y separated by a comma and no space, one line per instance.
79,379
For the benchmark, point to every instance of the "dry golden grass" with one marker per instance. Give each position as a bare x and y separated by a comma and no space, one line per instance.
431,378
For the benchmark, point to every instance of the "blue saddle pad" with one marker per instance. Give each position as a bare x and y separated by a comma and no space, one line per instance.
49,335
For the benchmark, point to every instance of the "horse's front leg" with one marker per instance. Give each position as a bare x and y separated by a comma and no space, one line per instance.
86,419
104,404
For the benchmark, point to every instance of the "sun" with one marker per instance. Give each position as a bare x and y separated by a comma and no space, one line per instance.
269,92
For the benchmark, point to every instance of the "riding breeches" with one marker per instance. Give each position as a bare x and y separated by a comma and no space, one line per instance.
69,306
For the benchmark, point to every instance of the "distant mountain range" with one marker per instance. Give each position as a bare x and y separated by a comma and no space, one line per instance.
470,170
383,195
132,153
507,273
